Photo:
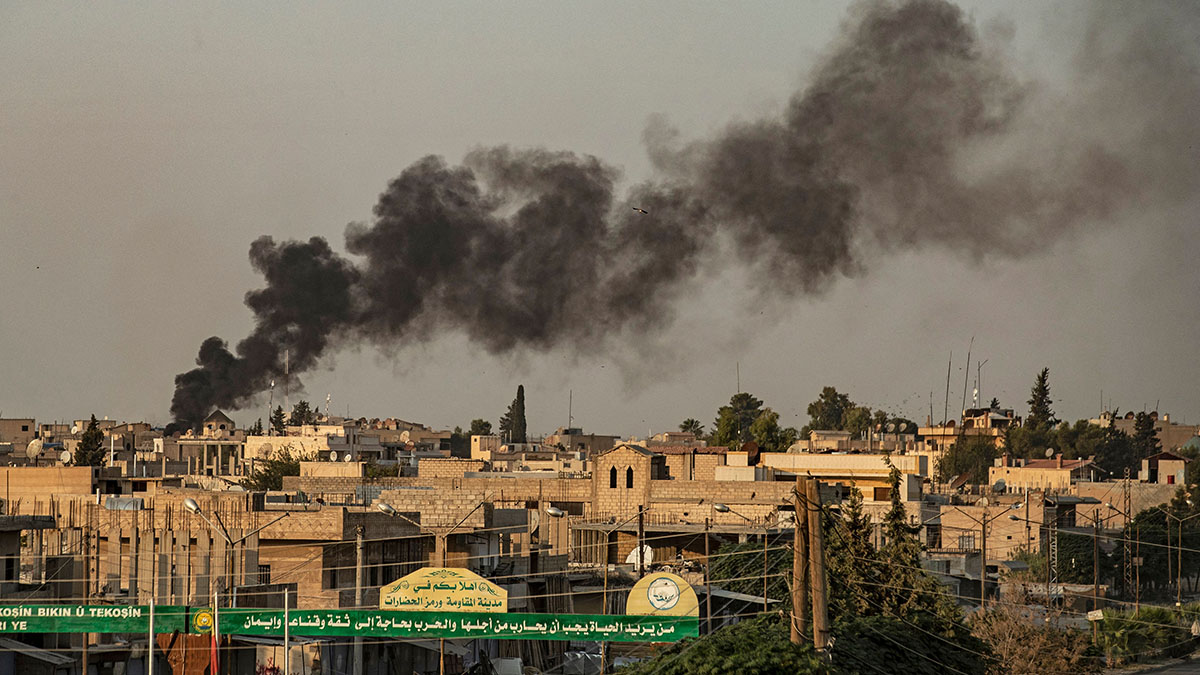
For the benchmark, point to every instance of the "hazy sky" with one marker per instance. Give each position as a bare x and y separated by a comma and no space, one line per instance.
145,146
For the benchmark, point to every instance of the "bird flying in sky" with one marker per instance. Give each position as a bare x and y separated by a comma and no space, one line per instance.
640,210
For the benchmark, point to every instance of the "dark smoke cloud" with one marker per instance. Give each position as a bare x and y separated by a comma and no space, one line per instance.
912,132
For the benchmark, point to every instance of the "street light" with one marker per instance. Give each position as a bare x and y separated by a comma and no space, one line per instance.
441,534
722,508
556,512
1179,552
194,508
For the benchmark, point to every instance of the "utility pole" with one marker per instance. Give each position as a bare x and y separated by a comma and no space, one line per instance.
820,602
641,557
799,562
983,559
87,589
707,576
1095,575
360,550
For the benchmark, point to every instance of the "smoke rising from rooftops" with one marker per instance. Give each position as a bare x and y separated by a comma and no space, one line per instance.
912,132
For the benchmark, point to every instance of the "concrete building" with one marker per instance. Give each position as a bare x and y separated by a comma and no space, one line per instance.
1165,467
1053,475
1171,436
18,430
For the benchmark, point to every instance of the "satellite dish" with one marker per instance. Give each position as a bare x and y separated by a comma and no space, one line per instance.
333,455
404,436
34,448
999,486
74,428
65,457
647,556
891,427
347,458
1049,453
903,426
535,519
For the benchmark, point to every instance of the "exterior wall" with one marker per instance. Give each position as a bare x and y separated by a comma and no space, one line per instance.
621,480
686,466
447,467
332,469
1005,536
23,485
845,467
1142,496
18,431
1021,478
482,447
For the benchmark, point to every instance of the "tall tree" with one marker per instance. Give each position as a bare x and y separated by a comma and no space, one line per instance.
970,455
512,424
770,437
278,423
828,412
255,429
90,451
692,426
302,413
480,427
732,426
1145,438
268,474
1041,416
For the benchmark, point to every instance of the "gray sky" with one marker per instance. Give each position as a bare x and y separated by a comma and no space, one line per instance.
145,147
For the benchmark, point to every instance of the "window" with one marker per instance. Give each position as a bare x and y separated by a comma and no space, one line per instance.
966,542
264,574
612,477
629,476
24,427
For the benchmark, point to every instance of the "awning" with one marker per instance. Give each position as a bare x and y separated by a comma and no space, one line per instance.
46,656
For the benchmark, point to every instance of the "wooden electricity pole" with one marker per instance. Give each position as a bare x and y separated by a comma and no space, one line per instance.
816,540
800,563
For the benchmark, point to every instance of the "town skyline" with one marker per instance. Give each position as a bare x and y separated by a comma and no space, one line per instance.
134,223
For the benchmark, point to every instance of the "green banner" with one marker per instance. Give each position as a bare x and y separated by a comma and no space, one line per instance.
513,625
95,618
346,623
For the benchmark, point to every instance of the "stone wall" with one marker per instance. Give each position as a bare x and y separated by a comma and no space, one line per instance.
447,467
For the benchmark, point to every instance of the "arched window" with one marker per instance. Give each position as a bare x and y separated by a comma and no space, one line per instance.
629,476
612,477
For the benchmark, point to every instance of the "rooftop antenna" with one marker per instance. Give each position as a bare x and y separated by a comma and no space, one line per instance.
328,398
287,404
271,409
946,410
967,373
978,380
570,407
738,366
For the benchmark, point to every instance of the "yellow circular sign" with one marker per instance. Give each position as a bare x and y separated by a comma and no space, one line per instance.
202,621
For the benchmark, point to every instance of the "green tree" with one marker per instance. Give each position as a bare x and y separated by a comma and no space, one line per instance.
90,451
759,646
858,420
255,429
278,422
268,474
970,455
460,443
302,413
480,427
512,424
732,426
828,412
767,433
852,560
692,426
1041,416
995,404
1145,438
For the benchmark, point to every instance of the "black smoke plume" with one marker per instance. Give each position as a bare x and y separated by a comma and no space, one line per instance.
912,132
